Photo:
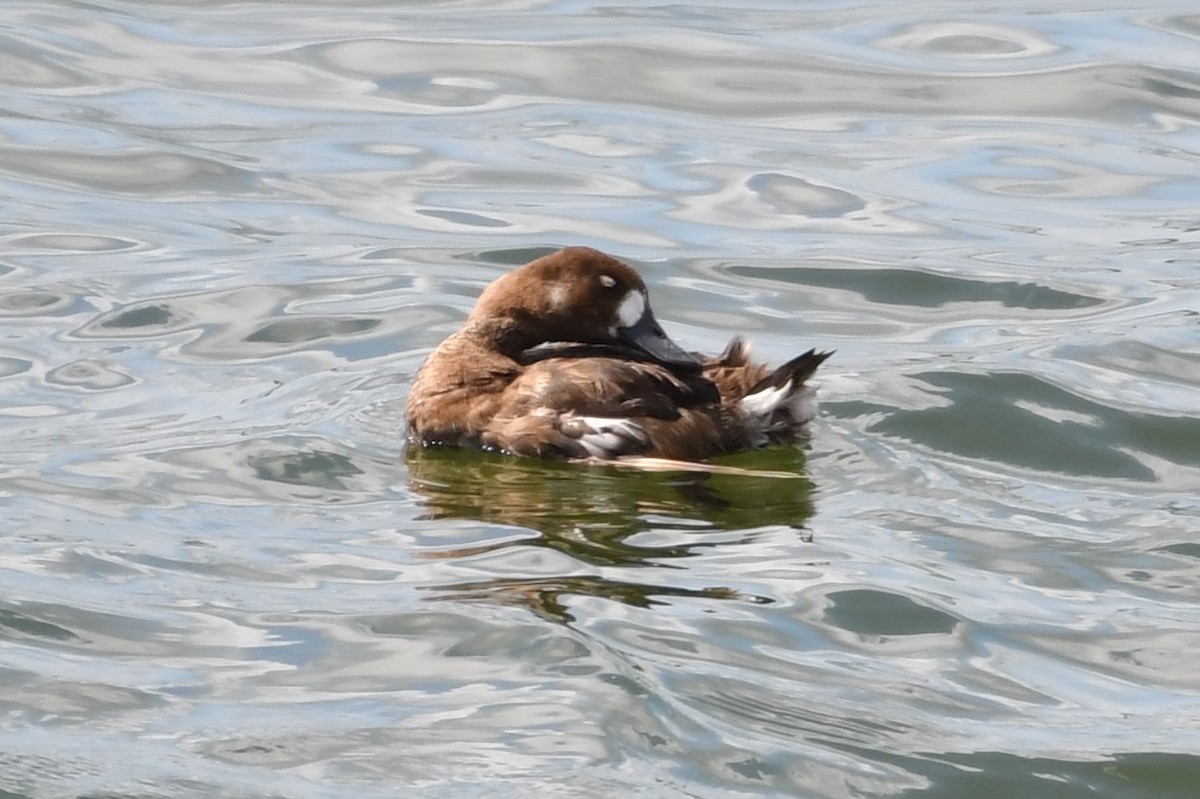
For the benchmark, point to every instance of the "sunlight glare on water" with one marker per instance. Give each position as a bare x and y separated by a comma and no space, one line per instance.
233,231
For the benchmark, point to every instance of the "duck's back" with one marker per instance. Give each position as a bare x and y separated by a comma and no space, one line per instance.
583,402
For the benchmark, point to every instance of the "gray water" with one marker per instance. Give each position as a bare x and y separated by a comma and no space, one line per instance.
232,231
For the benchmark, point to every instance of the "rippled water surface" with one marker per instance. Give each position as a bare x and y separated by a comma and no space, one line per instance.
232,231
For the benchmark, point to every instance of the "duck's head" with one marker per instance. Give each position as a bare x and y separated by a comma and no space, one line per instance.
575,295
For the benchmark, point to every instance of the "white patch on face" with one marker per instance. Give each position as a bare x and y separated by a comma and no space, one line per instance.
631,309
558,296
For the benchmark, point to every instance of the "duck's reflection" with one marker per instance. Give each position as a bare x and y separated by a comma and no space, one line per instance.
544,595
591,513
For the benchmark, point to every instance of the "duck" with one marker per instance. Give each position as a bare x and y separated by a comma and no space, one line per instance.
563,358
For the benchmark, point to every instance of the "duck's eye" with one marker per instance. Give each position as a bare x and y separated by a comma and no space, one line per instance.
608,281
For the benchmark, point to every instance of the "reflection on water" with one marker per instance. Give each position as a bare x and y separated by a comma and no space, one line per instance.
590,513
573,505
233,231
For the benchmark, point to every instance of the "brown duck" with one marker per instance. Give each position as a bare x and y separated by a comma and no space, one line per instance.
563,358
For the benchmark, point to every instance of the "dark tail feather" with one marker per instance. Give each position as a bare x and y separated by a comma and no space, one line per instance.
798,370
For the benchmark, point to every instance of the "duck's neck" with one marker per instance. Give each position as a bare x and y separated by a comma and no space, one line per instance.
502,335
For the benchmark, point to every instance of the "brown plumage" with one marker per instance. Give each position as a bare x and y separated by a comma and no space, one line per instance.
563,358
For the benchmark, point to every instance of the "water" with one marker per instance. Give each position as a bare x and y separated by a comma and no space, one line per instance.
232,231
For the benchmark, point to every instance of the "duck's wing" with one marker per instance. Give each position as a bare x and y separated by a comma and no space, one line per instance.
604,386
592,407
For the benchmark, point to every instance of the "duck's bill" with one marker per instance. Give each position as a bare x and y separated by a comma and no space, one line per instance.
647,336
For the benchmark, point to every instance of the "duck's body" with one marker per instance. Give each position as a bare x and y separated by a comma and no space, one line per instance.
563,358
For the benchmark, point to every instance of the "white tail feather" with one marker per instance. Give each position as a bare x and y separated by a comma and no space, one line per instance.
782,410
605,437
761,405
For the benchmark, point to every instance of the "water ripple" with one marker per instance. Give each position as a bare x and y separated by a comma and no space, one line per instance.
234,231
